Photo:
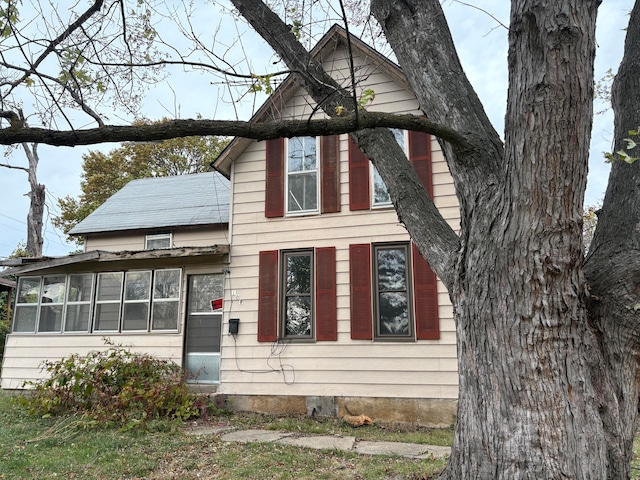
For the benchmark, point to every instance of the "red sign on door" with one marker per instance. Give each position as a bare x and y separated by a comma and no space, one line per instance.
216,304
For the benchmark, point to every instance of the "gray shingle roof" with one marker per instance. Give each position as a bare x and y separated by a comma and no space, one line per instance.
157,203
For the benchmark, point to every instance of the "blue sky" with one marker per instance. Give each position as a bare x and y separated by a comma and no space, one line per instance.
482,47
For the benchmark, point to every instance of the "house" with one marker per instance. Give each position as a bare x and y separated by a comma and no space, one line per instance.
327,306
154,259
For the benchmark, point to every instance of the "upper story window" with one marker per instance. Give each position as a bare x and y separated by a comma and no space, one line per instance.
302,175
157,240
367,190
379,194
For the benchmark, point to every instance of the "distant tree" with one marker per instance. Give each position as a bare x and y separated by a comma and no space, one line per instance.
105,173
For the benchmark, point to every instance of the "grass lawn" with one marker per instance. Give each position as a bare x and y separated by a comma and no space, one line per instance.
46,448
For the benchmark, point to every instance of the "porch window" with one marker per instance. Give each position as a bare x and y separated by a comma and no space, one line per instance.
166,300
108,300
302,175
52,303
27,300
137,295
79,295
134,301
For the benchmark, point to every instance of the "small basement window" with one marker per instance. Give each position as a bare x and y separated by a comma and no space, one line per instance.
157,240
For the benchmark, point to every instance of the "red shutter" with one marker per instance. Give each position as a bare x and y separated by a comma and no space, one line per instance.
326,308
268,296
274,188
358,178
360,271
426,298
330,173
420,156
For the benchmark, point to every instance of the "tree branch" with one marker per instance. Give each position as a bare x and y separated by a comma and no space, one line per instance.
258,131
6,165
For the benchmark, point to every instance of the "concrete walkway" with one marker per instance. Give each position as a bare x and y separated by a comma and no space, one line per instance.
326,442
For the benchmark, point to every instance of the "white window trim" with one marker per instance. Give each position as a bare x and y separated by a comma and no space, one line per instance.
158,236
286,182
155,301
89,301
94,303
105,302
146,301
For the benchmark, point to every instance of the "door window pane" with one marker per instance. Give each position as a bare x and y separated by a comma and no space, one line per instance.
203,289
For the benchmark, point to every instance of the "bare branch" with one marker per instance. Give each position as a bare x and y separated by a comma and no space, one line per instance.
6,165
261,131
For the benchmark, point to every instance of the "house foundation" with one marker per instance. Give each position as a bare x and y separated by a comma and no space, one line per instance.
435,413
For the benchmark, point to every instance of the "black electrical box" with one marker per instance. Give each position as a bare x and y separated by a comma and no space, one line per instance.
233,326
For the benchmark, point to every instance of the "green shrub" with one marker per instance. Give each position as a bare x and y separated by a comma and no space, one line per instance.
114,387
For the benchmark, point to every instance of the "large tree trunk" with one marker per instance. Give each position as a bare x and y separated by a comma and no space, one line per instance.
36,205
528,358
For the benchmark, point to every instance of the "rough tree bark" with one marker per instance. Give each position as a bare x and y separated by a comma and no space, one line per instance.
36,203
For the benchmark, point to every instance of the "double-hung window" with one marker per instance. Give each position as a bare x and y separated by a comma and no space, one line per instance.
79,295
27,300
392,292
302,175
297,268
379,194
137,296
166,300
297,295
108,300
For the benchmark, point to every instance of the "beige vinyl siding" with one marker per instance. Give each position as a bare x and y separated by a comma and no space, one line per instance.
114,243
196,237
421,369
25,354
